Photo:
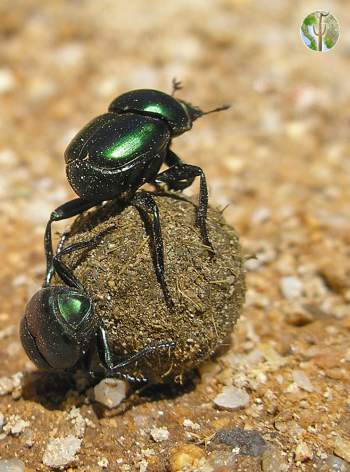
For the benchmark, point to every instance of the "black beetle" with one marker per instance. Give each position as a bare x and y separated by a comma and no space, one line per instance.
119,151
59,329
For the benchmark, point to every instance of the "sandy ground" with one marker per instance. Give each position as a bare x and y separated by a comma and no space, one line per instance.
279,158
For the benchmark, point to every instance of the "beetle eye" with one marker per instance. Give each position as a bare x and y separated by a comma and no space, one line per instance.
73,307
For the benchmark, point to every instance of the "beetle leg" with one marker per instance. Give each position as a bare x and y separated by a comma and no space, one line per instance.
115,370
180,176
61,268
171,160
67,210
148,210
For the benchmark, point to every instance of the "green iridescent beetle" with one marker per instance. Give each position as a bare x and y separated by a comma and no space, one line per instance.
119,151
60,331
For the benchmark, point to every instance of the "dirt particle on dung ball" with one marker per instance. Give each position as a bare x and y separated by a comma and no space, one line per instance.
118,274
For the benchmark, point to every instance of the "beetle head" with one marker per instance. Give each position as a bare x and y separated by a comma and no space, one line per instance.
195,112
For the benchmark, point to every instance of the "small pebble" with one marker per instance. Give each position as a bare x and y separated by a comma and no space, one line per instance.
11,465
303,452
15,425
302,380
7,80
232,398
189,424
261,215
9,384
336,464
111,392
273,461
61,451
28,438
78,421
103,463
143,465
342,448
9,330
186,457
291,287
248,442
160,434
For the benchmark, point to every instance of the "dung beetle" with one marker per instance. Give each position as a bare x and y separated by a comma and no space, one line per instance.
60,330
119,151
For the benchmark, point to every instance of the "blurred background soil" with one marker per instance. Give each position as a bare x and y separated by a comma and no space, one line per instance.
279,158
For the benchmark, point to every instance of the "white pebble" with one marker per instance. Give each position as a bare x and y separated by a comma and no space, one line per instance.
232,398
189,424
15,425
8,157
11,465
9,384
261,215
303,452
61,451
70,54
159,434
78,421
111,392
302,380
103,463
7,80
291,287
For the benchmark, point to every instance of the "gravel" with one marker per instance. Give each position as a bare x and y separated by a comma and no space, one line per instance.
111,392
303,452
159,434
15,425
9,384
291,287
342,448
60,452
274,461
250,443
232,398
78,421
11,465
302,380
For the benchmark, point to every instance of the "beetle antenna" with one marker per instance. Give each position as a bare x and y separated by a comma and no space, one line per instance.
176,86
223,107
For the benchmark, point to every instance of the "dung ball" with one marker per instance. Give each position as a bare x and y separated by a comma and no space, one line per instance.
119,276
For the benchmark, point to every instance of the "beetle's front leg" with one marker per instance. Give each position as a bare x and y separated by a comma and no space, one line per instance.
180,176
148,210
67,210
115,370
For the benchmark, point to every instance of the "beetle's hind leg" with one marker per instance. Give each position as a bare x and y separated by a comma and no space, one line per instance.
180,176
116,370
67,210
148,210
